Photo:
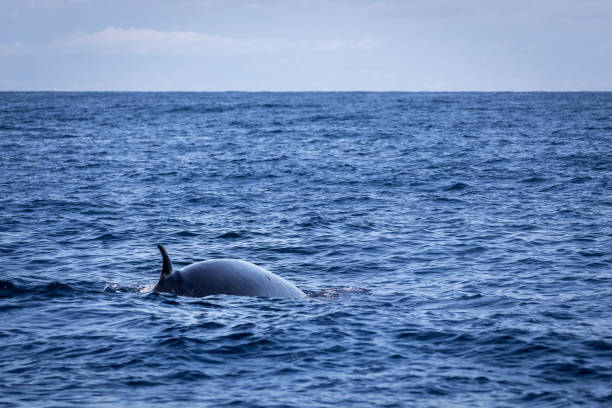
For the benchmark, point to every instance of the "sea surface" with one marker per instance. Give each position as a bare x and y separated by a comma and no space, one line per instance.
455,249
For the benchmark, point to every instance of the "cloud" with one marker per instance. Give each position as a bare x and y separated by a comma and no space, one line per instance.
145,41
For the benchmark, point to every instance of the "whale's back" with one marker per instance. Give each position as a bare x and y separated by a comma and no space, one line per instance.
235,277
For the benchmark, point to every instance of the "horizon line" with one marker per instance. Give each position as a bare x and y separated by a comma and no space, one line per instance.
301,91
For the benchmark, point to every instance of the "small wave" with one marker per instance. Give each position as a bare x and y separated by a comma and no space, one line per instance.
57,287
274,105
320,118
533,180
186,233
206,108
211,325
566,369
590,254
543,396
230,235
579,180
116,288
433,336
294,250
600,345
315,221
109,237
337,292
139,382
200,109
7,289
457,187
448,200
253,346
190,375
6,285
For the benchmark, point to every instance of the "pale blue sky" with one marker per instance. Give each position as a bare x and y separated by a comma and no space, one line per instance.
296,45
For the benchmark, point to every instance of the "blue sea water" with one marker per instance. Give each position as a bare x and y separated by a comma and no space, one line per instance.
455,247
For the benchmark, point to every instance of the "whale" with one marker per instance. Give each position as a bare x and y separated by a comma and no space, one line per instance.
223,277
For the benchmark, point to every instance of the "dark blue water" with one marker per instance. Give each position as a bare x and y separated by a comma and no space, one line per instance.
456,248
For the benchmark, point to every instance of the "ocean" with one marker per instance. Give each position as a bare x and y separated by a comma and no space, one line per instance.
455,249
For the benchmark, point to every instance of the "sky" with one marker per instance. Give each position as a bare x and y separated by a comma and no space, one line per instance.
306,45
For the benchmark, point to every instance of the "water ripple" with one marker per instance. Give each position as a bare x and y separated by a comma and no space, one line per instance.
454,248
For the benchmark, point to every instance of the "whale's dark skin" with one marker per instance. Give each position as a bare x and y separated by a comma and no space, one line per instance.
223,277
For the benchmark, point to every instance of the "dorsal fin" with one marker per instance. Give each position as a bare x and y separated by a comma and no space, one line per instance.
167,263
